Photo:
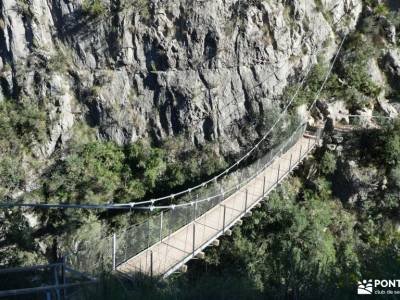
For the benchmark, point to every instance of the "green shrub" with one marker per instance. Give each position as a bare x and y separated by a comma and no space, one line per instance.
11,173
328,163
381,9
378,7
99,172
391,149
21,124
23,7
147,161
349,80
91,174
94,8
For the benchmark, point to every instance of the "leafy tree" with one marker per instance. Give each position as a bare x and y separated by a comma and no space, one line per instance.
148,162
92,174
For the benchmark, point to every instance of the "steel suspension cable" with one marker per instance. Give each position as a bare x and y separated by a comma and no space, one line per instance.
327,75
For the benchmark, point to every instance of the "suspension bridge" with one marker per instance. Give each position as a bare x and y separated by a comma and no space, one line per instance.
204,225
166,241
198,216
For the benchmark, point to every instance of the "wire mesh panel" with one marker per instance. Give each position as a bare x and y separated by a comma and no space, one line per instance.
177,218
204,206
131,242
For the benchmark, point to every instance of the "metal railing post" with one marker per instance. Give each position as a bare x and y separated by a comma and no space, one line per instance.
161,224
64,277
194,238
264,187
279,169
319,136
195,211
148,240
223,222
56,283
148,233
301,147
245,203
151,263
114,250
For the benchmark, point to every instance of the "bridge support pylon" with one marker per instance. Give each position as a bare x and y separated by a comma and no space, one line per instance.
215,243
183,269
248,214
228,232
200,255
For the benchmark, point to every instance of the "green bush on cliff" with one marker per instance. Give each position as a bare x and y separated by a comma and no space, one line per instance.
392,144
99,172
21,124
91,174
11,174
93,8
379,8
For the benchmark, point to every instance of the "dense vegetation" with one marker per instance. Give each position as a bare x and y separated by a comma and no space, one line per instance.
308,240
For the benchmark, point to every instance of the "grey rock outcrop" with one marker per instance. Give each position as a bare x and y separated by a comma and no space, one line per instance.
375,72
153,68
388,109
361,180
391,64
389,30
353,182
335,112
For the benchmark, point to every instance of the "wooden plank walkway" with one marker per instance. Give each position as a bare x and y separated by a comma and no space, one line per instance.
173,251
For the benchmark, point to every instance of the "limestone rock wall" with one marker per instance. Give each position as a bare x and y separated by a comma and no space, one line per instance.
156,68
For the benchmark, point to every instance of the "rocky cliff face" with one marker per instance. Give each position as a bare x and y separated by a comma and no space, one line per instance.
155,68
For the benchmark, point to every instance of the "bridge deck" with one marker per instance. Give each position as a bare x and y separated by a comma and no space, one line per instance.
177,248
